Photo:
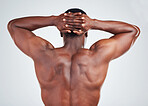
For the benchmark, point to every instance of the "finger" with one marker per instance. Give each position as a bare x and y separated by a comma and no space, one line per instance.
71,16
69,12
64,19
79,18
74,24
83,17
68,26
79,32
74,17
73,21
77,14
83,25
65,14
66,31
74,14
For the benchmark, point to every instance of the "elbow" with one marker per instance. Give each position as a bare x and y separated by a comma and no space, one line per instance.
135,30
11,25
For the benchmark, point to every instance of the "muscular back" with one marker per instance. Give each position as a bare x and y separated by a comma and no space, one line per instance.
70,80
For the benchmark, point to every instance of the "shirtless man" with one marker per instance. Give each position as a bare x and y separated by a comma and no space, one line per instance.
71,75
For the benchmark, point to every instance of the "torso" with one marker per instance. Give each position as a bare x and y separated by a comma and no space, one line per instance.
70,80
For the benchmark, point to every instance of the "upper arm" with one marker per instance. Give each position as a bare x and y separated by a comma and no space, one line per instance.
28,42
115,46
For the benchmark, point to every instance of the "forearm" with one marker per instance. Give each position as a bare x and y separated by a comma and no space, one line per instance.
114,27
33,23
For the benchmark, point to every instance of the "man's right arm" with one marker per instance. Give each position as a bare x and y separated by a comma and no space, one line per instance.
124,36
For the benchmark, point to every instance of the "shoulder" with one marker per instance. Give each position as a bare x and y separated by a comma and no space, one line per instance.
84,51
38,46
103,43
40,43
103,49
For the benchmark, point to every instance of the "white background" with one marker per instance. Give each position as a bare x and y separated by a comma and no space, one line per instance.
126,81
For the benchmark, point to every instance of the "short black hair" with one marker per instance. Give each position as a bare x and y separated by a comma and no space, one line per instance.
75,10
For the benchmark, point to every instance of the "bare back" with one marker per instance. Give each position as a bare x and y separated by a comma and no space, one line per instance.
68,77
70,80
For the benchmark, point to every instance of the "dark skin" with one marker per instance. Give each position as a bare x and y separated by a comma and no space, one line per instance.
71,75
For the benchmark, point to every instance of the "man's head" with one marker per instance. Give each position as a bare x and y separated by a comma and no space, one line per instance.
72,34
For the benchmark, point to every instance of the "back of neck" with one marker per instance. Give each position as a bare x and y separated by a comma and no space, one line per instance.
73,44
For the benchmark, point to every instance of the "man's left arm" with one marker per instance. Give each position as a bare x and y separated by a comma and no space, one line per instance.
21,32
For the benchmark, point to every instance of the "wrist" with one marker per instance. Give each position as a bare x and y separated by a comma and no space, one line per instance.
94,24
53,20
